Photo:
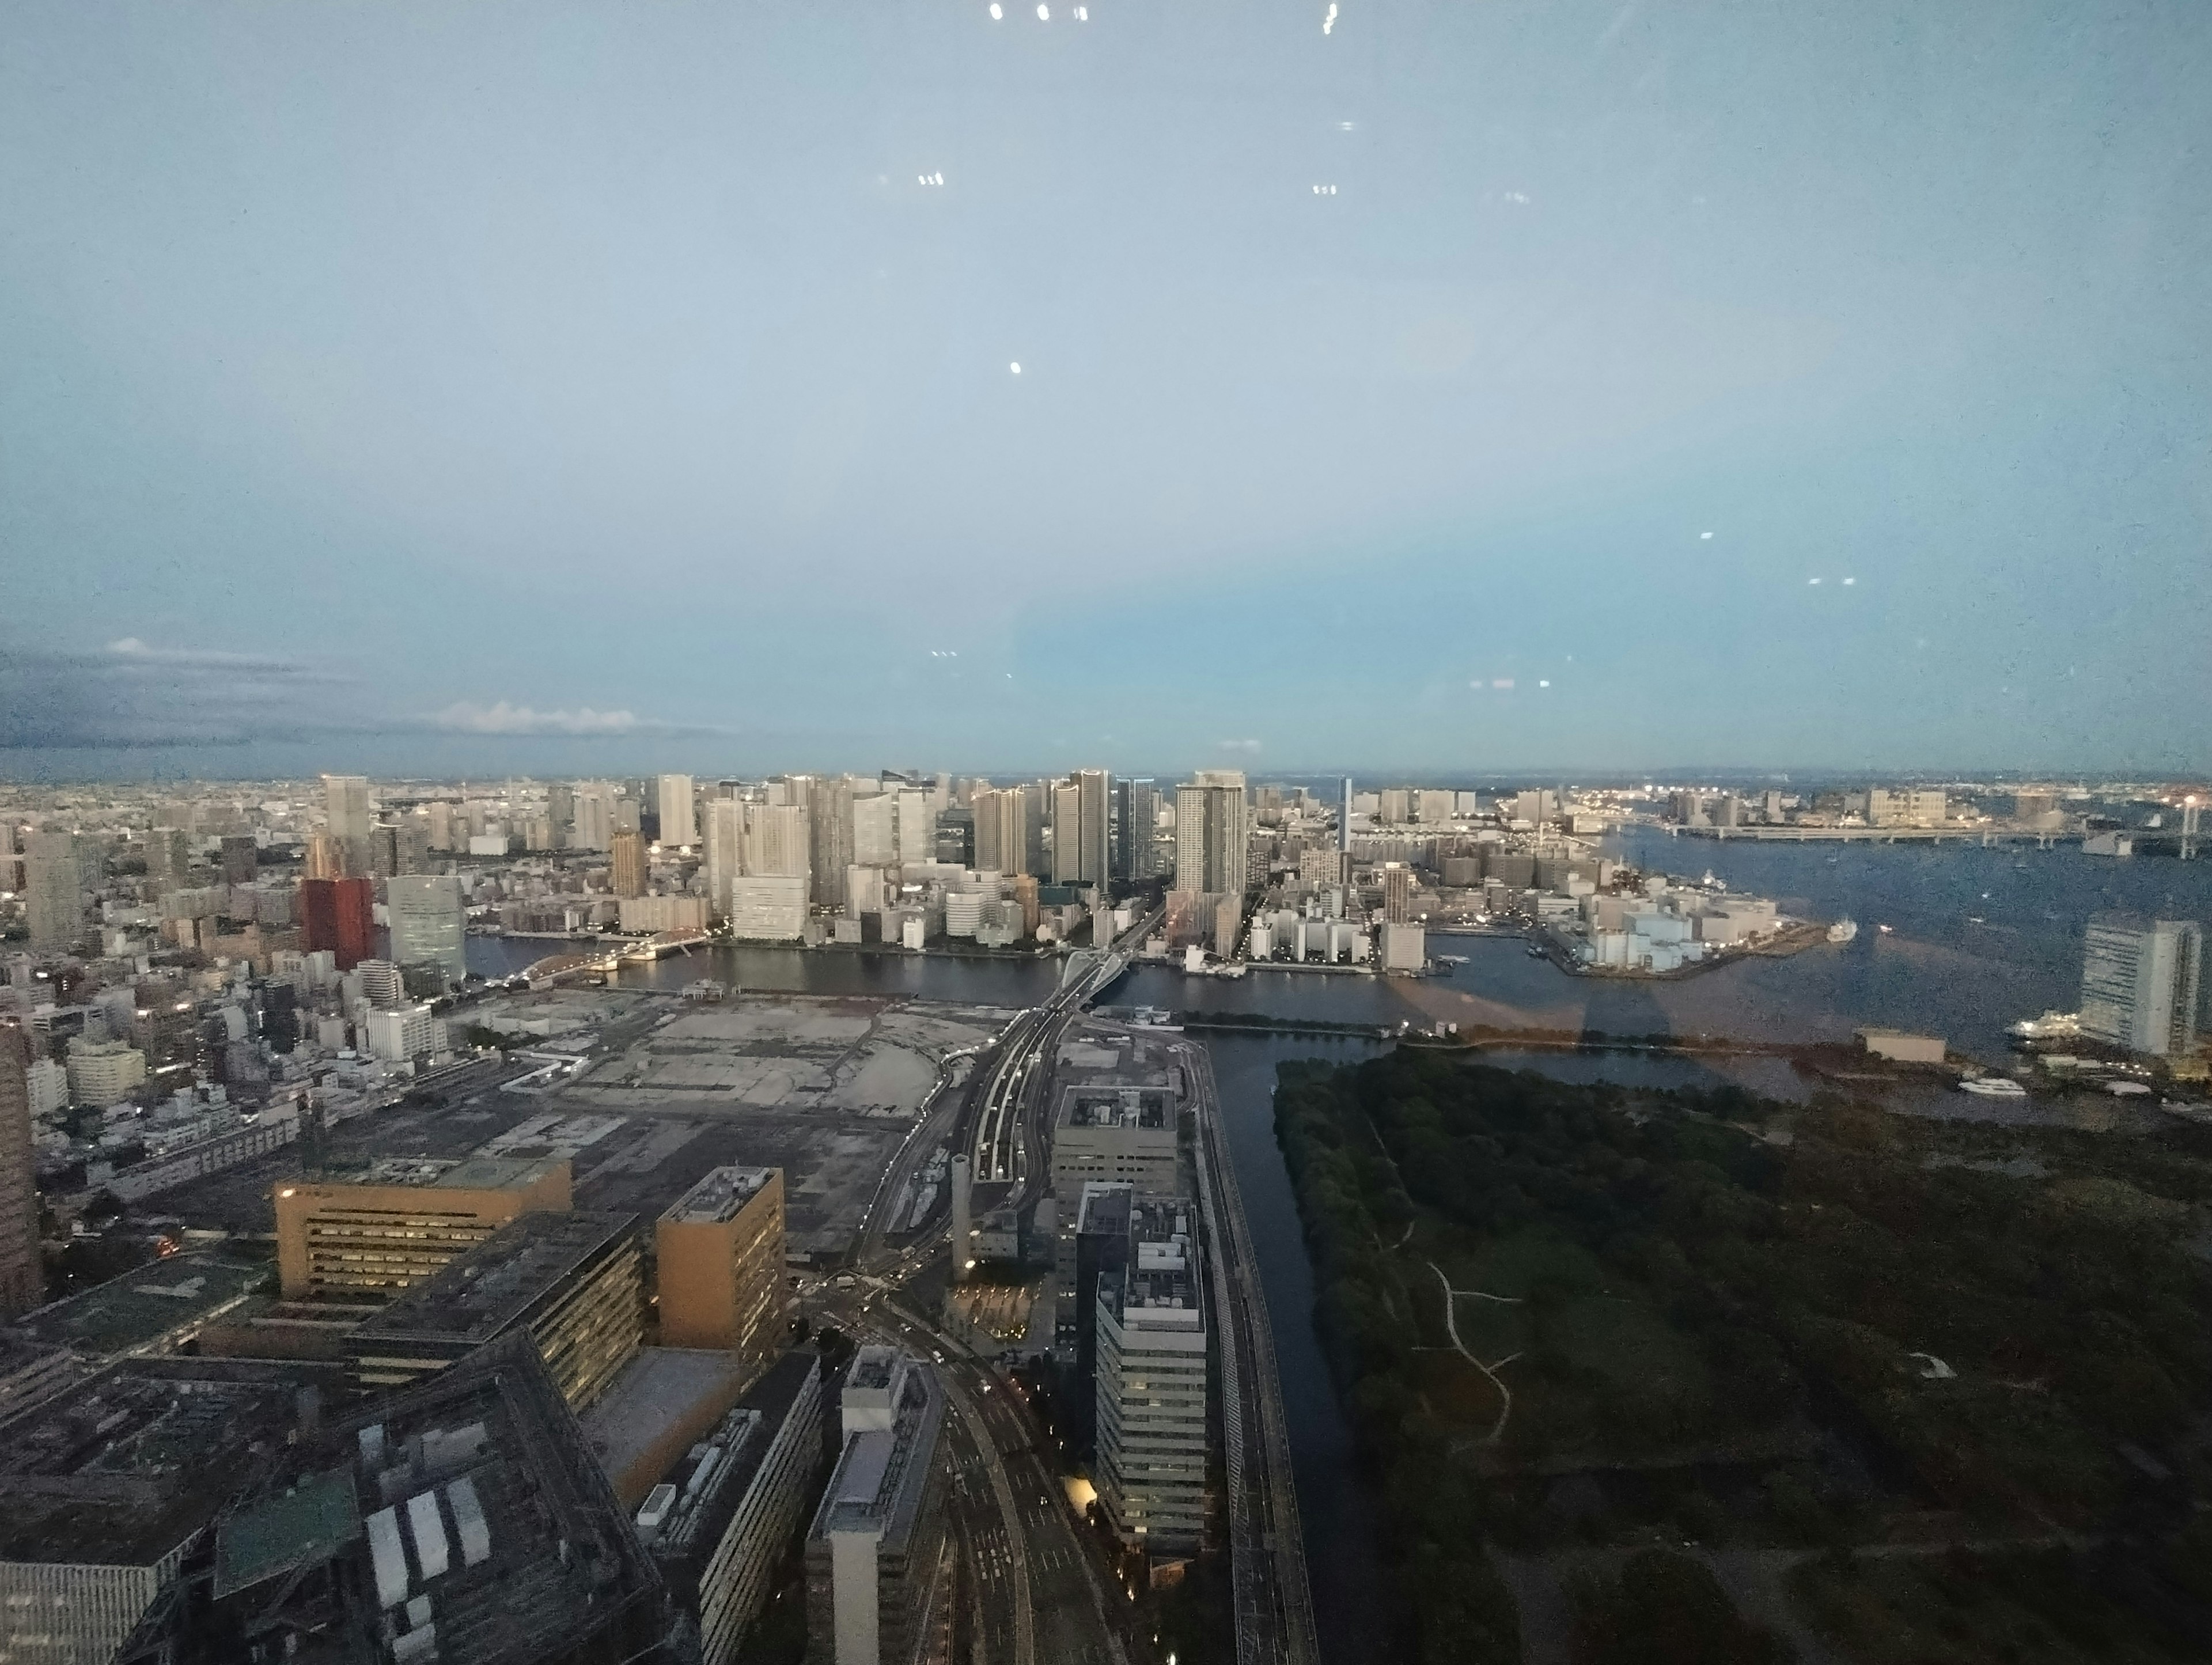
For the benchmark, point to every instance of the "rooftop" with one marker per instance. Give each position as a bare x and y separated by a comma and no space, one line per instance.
480,1293
1115,1107
469,1174
1162,1272
695,1520
718,1196
877,1487
145,1307
655,1392
139,1459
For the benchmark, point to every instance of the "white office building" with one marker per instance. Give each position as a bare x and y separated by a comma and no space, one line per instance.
397,1034
2141,980
769,908
429,922
1152,1384
679,822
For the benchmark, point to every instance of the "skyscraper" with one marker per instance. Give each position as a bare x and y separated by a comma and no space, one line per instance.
54,875
1094,826
336,914
429,922
721,1252
1210,833
1397,893
776,839
917,828
679,825
346,818
595,816
630,869
2141,982
1136,855
1066,833
830,833
22,1280
726,851
1001,830
1343,817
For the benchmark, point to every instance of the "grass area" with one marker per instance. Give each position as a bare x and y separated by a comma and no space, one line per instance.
1965,1609
1721,1337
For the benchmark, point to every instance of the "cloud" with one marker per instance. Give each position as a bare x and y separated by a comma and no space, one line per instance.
505,719
131,694
1238,745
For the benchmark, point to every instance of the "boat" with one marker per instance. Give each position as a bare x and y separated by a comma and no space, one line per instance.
1993,1086
1844,930
2052,1026
1885,929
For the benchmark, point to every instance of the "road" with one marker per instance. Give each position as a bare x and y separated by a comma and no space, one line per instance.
1044,1591
1267,1547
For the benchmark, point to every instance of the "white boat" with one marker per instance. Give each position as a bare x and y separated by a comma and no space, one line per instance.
1842,930
2052,1026
1993,1086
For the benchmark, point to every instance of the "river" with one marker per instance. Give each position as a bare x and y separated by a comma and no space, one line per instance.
1979,938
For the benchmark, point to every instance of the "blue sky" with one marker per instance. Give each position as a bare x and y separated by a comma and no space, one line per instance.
577,388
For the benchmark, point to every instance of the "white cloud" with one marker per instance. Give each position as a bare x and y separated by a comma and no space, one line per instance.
505,718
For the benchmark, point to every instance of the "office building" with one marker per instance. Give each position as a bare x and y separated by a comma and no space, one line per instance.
875,830
1094,1244
645,916
462,1522
1036,823
595,816
1397,893
49,1093
1344,813
679,822
2142,981
769,909
325,857
1137,822
336,916
23,1277
1094,826
1211,834
725,836
103,1072
1001,830
54,881
718,1523
776,842
1067,832
168,857
403,1221
575,1281
828,805
1151,1383
382,982
401,1034
879,1584
429,922
347,818
95,1528
1403,947
721,1250
631,870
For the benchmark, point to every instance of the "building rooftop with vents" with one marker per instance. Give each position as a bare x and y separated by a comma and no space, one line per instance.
150,1309
719,1196
461,1522
105,1488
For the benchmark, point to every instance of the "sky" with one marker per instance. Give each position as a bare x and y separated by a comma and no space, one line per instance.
1442,387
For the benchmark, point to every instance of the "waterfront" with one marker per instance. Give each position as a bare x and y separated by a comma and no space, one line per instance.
1937,971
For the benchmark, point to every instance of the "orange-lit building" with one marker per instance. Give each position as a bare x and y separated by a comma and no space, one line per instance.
721,1250
402,1223
631,868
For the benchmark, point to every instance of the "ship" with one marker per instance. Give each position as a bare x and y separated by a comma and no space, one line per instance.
1993,1086
2052,1026
1842,930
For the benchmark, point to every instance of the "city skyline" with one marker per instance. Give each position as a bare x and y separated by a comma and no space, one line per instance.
1637,360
